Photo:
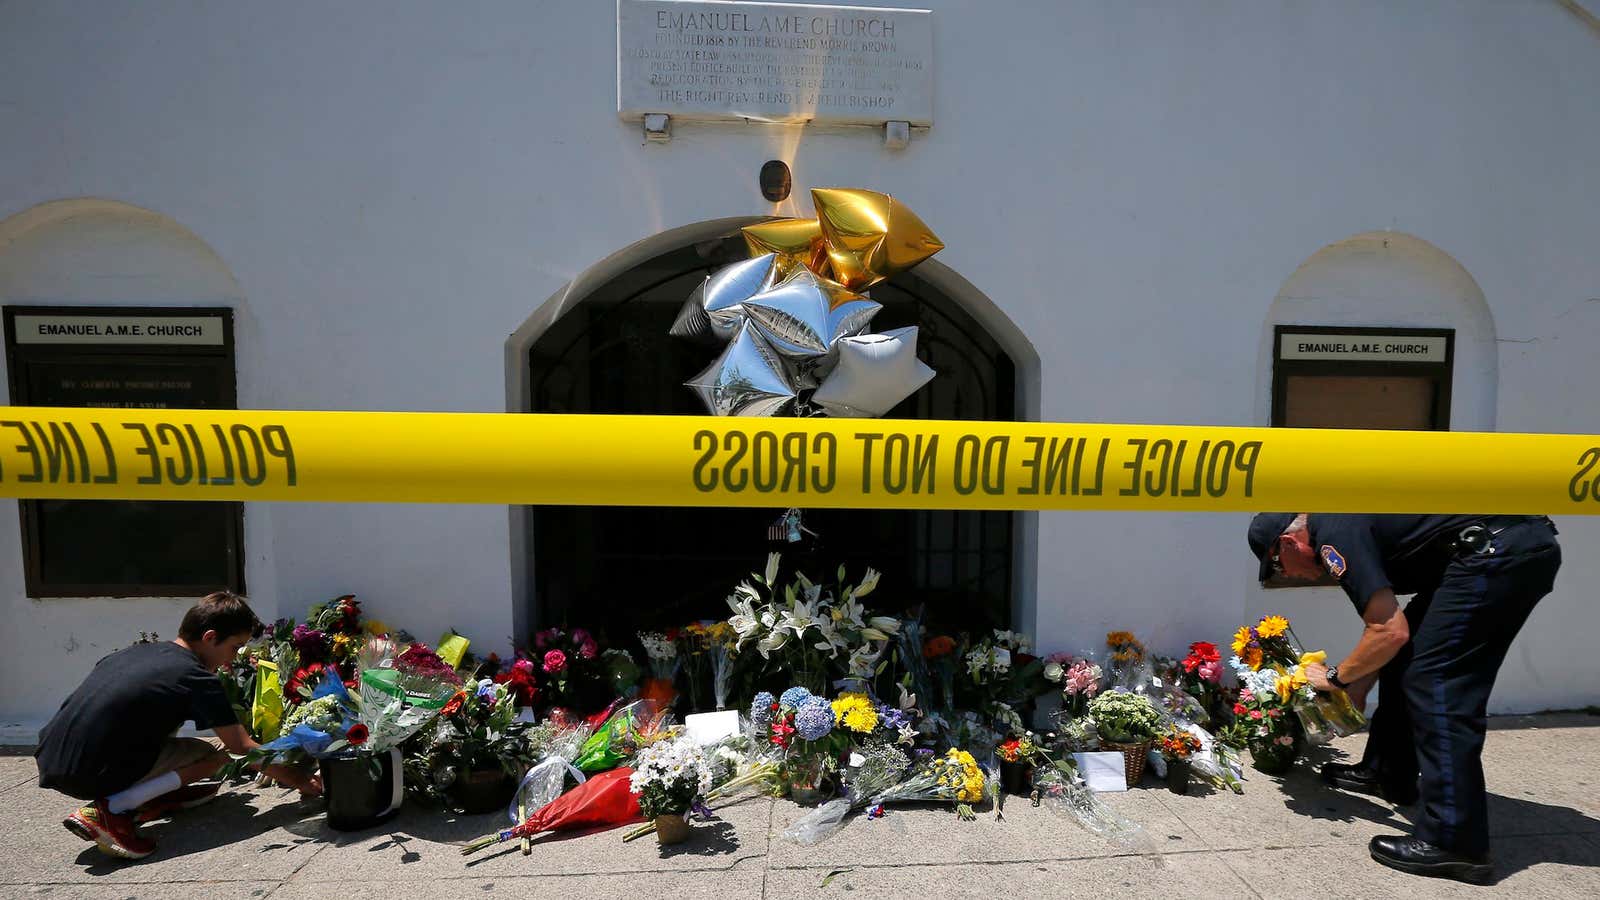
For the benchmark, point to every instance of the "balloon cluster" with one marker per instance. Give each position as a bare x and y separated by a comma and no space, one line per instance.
795,319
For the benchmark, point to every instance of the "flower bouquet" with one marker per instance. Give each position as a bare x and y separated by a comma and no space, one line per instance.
568,670
473,752
1264,717
661,652
604,801
670,777
356,737
1271,644
1200,675
1177,746
1080,682
1126,722
882,767
1019,756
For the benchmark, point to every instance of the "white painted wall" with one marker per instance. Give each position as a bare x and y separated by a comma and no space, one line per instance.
393,188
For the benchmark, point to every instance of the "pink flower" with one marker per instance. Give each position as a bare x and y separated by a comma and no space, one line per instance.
1245,696
1285,740
1082,679
1255,713
588,648
1211,672
523,666
581,636
555,662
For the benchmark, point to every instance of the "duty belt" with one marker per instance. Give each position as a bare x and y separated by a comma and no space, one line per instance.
1478,537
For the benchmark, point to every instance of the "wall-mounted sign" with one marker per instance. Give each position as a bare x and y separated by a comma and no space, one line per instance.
77,328
1363,347
844,65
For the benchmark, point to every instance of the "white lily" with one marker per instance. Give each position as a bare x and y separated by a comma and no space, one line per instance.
746,622
802,614
831,640
863,660
772,567
868,582
774,640
885,624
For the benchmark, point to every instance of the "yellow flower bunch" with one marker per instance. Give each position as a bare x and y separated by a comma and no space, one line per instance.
1241,640
854,711
722,633
962,776
1289,682
376,628
1272,626
343,646
1124,647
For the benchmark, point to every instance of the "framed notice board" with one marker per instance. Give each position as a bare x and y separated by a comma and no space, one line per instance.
124,357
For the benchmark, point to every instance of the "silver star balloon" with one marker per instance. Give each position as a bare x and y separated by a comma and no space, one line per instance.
713,309
748,379
804,316
875,372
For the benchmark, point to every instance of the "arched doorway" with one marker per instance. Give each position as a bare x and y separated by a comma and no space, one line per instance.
602,346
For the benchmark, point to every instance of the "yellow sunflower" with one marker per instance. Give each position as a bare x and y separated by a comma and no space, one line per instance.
1272,626
1252,658
1241,640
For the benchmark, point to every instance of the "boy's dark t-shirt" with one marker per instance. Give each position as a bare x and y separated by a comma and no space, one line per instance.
107,735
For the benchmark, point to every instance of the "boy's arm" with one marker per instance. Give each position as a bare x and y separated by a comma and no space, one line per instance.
238,741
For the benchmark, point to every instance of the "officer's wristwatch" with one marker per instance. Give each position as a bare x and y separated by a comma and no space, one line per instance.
1333,678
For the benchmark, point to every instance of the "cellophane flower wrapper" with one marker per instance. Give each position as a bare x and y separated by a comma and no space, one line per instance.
547,779
397,702
1214,762
884,769
722,663
1059,791
316,727
618,738
604,801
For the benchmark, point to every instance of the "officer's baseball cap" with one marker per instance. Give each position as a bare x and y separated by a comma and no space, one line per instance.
1264,531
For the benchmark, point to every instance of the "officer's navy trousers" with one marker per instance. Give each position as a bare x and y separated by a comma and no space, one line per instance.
1460,633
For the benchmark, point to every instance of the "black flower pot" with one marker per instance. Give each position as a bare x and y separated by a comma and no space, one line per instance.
1016,777
363,789
1178,776
483,790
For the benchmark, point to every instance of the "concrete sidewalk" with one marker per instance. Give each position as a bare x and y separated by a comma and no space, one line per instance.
1282,838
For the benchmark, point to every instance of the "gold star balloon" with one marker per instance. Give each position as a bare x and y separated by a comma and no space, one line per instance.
869,236
797,243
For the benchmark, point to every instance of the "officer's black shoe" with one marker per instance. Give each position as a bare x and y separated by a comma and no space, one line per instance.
1363,780
1418,857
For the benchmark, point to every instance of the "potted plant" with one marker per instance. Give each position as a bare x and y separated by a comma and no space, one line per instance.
669,777
1177,746
472,754
1126,722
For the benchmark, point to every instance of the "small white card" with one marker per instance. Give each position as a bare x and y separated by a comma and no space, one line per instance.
708,728
1103,771
525,714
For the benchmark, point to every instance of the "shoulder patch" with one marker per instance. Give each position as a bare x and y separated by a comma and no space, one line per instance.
1333,560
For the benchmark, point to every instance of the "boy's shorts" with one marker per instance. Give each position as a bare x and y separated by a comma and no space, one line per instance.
178,752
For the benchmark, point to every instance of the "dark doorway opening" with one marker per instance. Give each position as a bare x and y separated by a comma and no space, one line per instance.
642,567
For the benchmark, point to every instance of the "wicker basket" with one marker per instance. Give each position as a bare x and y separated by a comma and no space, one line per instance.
1133,757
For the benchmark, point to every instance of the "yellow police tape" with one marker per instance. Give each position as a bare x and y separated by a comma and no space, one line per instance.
704,461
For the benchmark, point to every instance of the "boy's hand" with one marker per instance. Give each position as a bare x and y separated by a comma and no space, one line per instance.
310,786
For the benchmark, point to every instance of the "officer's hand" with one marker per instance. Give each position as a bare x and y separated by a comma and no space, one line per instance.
1317,676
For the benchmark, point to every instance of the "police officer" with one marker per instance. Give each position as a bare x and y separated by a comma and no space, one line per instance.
1476,579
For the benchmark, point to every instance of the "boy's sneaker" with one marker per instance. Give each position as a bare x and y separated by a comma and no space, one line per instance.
115,834
83,822
187,797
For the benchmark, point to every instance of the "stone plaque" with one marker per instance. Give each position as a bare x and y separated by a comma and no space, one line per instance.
842,65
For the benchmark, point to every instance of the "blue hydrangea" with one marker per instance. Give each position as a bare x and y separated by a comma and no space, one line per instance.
794,698
761,709
814,719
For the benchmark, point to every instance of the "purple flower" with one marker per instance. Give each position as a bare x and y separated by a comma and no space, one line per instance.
486,690
311,644
814,720
892,718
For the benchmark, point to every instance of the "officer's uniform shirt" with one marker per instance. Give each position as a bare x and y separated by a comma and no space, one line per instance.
1367,553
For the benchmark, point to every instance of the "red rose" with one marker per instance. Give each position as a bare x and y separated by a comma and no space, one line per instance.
555,662
357,735
1238,709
